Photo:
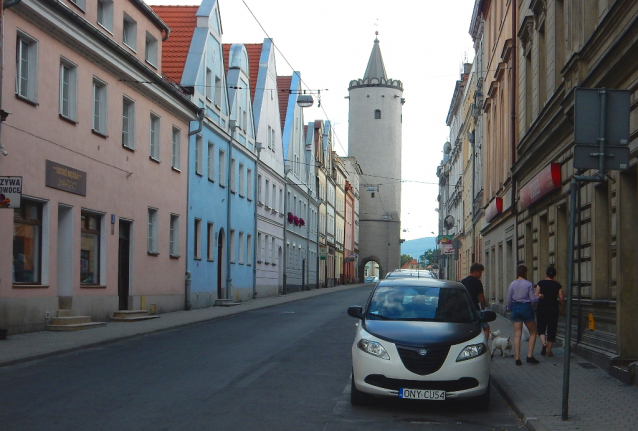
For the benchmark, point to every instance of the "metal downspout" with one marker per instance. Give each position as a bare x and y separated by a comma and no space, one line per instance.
514,204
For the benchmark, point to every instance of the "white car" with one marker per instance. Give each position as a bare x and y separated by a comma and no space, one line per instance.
420,339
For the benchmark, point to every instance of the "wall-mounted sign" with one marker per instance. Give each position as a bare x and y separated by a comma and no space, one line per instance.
448,249
543,183
493,209
10,192
65,178
444,239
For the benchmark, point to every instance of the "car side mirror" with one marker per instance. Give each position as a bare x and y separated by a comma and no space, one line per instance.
487,316
357,311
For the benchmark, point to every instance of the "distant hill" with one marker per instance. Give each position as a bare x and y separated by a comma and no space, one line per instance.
416,247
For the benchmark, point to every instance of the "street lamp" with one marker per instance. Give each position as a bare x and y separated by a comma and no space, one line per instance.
305,100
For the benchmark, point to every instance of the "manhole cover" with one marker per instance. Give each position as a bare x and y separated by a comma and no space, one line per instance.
587,365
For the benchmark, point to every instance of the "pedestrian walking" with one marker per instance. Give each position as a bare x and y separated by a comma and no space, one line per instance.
520,296
474,286
549,292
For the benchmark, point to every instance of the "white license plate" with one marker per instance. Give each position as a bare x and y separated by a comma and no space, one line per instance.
421,394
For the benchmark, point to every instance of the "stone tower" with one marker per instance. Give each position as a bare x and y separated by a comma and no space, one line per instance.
374,139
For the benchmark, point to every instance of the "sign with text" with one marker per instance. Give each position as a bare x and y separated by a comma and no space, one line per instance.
546,181
10,192
65,178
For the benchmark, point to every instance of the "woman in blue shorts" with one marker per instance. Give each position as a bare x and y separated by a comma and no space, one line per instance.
520,296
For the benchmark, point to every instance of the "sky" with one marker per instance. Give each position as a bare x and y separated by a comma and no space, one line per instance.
424,43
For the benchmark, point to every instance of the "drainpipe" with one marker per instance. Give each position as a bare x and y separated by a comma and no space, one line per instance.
187,280
513,125
258,147
229,280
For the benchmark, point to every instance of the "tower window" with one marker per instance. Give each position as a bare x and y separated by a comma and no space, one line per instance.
377,114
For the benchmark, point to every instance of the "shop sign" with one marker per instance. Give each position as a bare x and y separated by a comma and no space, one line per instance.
65,178
10,192
543,183
444,239
448,249
493,209
322,253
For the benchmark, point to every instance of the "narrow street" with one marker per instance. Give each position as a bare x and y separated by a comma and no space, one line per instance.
280,368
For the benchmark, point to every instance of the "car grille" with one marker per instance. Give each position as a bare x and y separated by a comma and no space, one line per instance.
426,364
441,385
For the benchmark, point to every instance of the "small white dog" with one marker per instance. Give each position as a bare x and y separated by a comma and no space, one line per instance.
501,343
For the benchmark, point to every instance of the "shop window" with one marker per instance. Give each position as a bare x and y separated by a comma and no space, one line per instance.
90,249
27,243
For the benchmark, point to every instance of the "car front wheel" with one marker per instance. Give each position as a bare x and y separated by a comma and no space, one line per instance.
357,398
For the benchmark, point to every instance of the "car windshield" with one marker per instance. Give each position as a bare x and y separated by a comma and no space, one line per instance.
420,303
406,274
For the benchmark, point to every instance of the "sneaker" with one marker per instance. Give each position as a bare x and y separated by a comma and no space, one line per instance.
532,360
544,350
518,362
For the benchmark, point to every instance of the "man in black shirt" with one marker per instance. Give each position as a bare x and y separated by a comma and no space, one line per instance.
475,288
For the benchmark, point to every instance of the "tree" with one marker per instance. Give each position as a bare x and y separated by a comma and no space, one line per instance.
405,258
427,258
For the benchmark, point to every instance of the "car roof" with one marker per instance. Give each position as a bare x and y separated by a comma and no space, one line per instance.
424,282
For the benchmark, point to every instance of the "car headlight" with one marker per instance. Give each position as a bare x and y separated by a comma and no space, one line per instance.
471,351
373,348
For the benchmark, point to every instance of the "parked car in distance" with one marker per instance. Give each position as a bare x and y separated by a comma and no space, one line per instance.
420,339
371,279
411,273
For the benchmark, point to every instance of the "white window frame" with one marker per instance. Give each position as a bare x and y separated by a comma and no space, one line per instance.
173,245
154,136
233,175
153,222
211,161
241,180
197,243
267,193
199,156
150,50
68,89
274,197
241,248
222,168
100,106
249,249
26,67
176,145
128,122
80,3
105,7
129,32
249,184
232,246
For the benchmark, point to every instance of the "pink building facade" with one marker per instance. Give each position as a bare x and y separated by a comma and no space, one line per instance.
100,141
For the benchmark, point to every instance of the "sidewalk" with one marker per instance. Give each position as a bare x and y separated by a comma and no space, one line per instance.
597,401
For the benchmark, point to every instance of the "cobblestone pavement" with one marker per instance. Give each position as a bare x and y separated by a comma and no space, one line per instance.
597,401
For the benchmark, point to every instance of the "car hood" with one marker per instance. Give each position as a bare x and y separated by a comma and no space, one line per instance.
422,334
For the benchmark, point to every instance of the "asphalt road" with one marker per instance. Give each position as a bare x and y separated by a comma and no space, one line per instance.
280,368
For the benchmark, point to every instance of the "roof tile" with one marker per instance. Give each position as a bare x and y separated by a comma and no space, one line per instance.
182,21
283,90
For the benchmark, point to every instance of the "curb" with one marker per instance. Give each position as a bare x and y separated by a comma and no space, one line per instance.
288,299
530,422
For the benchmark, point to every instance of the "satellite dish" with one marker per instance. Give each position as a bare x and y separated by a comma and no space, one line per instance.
448,222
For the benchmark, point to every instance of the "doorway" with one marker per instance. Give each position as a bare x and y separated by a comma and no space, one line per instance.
123,264
65,259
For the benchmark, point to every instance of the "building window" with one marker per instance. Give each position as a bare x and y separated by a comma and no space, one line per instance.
259,257
210,243
68,89
281,200
211,161
198,155
269,137
27,242
155,137
377,114
273,253
272,132
259,198
150,52
208,90
197,252
233,180
249,249
173,243
241,248
105,14
151,245
80,3
218,92
249,184
222,168
267,197
128,123
90,248
99,106
176,148
274,197
241,180
232,246
129,33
